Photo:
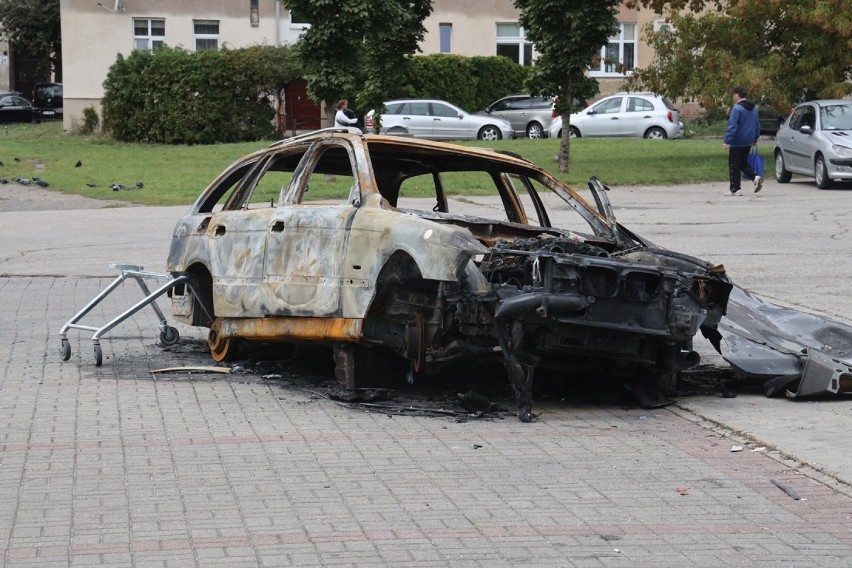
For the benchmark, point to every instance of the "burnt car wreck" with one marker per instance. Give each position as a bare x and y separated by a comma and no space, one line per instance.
401,286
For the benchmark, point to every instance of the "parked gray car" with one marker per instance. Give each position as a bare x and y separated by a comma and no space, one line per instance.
816,141
639,115
437,120
529,116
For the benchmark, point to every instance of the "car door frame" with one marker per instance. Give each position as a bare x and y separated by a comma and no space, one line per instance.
306,243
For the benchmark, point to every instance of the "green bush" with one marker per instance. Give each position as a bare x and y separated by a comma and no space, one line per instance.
91,121
468,82
174,96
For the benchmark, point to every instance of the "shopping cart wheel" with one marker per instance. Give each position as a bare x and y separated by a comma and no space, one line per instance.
169,336
99,356
65,350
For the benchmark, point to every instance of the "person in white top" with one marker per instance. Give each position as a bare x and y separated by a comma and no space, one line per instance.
342,117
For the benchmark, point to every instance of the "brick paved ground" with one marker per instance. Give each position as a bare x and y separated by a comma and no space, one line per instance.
118,467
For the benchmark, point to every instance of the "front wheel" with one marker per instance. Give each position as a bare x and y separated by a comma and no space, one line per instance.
821,173
535,130
489,133
781,173
573,132
655,133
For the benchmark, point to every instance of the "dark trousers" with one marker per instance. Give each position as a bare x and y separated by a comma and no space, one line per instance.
738,162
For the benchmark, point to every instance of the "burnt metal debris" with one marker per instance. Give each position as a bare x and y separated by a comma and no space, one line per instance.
400,290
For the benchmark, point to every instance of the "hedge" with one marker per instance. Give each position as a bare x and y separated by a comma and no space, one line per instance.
174,96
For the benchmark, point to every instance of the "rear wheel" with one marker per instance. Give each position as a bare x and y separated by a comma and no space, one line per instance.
781,173
535,130
656,133
489,133
221,348
821,173
573,132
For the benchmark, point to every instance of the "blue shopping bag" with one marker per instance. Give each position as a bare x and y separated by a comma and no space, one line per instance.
755,160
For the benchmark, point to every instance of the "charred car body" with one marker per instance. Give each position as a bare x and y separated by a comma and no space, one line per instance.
399,287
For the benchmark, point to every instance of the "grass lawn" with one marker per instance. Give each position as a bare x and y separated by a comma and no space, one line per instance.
176,174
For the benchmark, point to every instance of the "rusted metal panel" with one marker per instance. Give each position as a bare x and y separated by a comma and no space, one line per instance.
292,328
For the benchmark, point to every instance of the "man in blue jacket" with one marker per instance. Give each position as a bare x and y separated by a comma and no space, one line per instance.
742,133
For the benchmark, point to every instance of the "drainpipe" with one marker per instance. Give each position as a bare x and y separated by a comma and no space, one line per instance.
277,23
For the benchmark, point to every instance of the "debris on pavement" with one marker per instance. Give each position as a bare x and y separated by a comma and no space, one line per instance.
786,489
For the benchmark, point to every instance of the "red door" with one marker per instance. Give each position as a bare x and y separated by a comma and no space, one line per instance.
302,113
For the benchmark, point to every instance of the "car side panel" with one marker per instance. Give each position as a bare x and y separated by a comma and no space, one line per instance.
236,242
376,234
305,248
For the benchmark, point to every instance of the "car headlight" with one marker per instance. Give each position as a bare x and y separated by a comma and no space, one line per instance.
841,150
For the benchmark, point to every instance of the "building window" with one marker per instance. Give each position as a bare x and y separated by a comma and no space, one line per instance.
298,21
618,56
512,43
149,34
206,33
446,33
254,13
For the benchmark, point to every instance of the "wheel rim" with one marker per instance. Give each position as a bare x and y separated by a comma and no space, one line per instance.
489,133
534,131
820,171
572,133
779,166
221,347
655,134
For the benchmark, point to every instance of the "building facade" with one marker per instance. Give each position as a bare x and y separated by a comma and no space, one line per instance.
94,33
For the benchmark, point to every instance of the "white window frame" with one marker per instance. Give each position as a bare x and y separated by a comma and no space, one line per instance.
152,41
200,36
617,43
519,40
447,28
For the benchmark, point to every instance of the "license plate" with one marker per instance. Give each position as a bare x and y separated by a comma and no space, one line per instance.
48,113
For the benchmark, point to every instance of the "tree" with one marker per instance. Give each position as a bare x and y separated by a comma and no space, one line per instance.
782,52
33,28
394,32
330,50
357,43
567,34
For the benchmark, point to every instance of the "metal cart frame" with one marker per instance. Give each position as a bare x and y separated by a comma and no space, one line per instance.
168,334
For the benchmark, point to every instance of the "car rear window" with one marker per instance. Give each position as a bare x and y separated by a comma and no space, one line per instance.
668,103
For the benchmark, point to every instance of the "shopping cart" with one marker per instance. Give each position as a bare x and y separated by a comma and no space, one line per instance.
168,334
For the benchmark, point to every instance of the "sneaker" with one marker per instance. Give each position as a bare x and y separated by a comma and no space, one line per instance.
733,193
758,183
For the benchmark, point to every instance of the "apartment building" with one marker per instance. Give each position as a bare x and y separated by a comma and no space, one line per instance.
95,32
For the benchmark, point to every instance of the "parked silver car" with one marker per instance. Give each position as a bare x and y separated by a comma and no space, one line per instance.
438,120
640,115
529,116
816,141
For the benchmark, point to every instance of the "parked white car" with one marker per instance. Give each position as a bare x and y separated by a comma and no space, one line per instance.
816,141
438,120
636,115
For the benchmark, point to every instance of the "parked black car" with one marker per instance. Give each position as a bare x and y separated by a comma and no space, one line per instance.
47,101
15,108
